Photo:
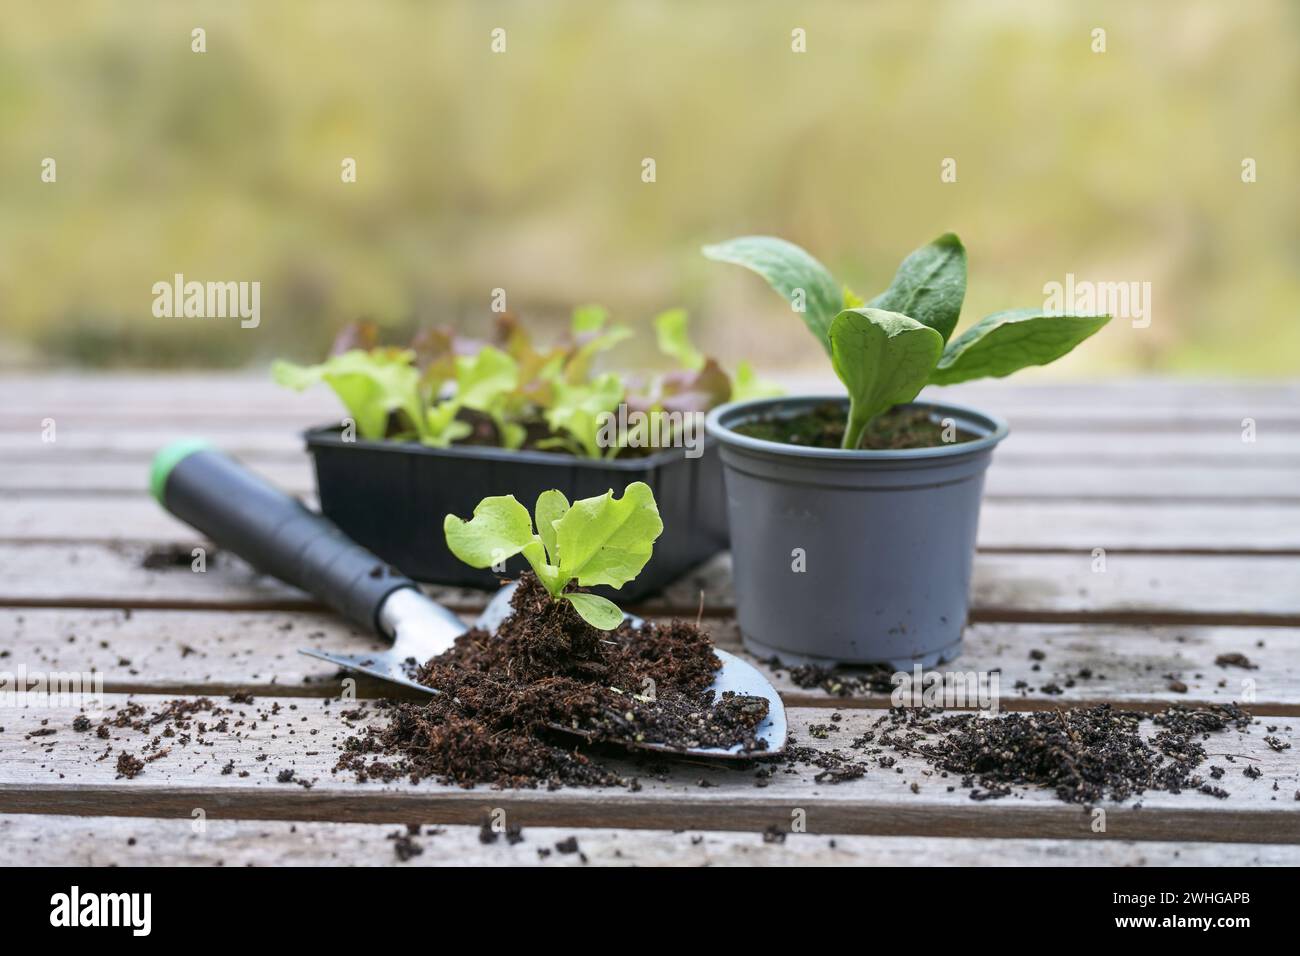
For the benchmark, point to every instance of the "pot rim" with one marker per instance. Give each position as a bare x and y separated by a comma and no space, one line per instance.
995,429
326,436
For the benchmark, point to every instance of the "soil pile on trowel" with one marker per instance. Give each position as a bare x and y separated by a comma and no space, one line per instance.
503,693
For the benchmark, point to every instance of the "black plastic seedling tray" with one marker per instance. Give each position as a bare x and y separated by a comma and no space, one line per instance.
392,498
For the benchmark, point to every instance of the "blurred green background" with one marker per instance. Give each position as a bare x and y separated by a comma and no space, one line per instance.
522,170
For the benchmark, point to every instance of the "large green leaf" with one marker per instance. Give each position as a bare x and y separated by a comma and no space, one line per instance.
929,285
883,359
1005,342
500,528
790,271
608,540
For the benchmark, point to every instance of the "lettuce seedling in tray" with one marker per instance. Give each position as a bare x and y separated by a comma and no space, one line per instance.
445,421
442,390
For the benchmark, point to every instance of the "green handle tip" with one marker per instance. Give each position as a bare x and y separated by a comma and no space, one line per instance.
169,457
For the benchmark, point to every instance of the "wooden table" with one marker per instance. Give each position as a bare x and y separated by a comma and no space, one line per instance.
1201,537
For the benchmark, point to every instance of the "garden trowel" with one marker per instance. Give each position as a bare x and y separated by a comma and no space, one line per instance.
277,535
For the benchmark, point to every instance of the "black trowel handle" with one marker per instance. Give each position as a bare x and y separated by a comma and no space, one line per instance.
275,533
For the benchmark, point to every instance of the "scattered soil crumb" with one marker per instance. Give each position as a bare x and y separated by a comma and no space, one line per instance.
171,556
1235,660
404,846
129,765
567,846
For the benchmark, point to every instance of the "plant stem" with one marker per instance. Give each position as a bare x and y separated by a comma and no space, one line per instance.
856,425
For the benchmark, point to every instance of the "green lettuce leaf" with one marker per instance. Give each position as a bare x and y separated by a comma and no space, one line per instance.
578,366
608,540
587,319
442,426
675,341
601,540
597,611
551,507
579,410
371,385
484,380
747,385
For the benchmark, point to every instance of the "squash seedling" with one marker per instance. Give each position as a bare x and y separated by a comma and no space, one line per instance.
600,540
886,350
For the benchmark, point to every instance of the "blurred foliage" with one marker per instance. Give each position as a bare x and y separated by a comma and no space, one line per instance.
522,170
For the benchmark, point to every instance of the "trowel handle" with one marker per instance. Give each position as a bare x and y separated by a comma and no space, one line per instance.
273,532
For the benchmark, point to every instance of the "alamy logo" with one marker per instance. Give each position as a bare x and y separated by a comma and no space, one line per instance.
179,299
952,690
1123,300
653,429
103,909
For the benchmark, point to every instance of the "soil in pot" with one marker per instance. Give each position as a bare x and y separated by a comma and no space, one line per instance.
547,666
823,427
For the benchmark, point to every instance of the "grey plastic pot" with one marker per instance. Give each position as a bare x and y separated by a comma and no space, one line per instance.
852,557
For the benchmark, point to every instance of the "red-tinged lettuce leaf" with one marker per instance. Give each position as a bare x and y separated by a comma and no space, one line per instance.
361,334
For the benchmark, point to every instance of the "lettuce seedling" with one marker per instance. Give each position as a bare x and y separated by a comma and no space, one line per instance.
371,384
488,382
601,540
886,350
536,397
591,338
578,412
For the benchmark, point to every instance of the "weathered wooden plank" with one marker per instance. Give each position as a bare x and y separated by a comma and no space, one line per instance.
1011,480
1049,588
272,412
217,652
1155,483
1004,526
1224,446
1081,588
202,389
62,773
123,479
46,840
